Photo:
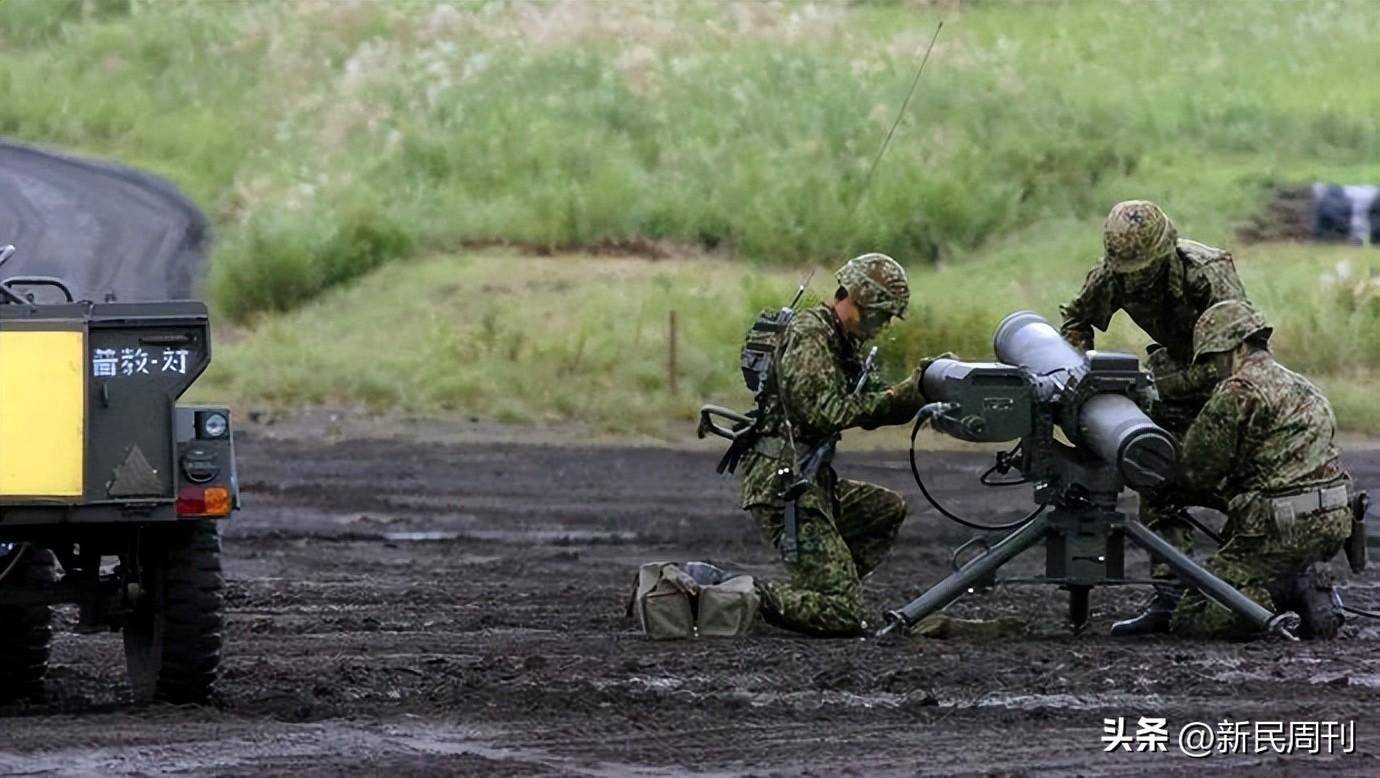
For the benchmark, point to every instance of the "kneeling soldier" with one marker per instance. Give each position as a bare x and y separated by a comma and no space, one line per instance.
1263,443
831,532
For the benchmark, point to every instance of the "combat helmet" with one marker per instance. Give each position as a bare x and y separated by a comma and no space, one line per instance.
1136,234
876,282
1225,326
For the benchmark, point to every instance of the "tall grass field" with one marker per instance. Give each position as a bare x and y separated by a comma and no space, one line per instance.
381,175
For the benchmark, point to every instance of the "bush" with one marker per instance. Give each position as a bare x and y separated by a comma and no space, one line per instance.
586,124
278,262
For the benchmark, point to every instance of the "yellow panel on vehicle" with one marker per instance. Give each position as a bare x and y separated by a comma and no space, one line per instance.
42,413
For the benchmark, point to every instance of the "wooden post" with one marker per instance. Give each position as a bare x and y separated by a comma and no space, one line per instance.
671,356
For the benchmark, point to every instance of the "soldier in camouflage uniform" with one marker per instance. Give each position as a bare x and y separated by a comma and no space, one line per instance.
1263,444
843,528
1164,283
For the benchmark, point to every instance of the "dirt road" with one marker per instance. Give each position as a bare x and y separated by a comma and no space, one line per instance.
428,608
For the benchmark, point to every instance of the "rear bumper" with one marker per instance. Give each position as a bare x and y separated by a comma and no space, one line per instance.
18,521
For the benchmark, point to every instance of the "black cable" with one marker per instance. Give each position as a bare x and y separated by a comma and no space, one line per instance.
1361,612
920,420
19,550
985,480
1003,464
1201,527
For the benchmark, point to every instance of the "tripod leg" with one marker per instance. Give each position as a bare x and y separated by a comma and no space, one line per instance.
1193,574
951,588
1079,603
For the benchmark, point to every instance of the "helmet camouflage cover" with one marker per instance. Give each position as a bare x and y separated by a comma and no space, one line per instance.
1136,234
876,281
1225,326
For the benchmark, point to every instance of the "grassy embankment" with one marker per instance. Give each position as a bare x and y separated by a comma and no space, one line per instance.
330,141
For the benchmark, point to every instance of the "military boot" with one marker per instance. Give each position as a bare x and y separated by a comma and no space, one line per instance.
1155,618
1312,594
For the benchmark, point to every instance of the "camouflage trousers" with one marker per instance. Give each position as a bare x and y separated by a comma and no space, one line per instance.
1164,514
844,530
1252,558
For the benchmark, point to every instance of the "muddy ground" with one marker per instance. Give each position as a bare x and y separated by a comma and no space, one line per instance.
422,607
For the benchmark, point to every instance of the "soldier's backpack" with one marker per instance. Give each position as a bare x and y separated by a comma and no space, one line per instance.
676,602
760,347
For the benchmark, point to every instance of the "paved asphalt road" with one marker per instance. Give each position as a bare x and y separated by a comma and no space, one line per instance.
104,228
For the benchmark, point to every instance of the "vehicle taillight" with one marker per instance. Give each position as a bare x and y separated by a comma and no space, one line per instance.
203,501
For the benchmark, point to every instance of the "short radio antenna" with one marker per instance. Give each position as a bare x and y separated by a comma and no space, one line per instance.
800,292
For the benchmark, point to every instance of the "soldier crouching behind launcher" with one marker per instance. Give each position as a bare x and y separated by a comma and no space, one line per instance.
1263,444
831,532
1164,283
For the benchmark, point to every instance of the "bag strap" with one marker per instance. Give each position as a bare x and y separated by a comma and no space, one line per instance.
632,596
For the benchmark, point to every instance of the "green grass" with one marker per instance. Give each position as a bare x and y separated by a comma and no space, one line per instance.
727,126
346,149
508,337
541,340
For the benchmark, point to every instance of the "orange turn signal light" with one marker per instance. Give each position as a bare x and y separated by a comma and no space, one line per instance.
195,501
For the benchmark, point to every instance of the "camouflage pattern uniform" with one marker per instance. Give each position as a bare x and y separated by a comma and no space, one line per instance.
1265,432
844,528
1164,283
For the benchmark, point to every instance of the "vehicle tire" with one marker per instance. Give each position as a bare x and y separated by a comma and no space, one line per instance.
173,636
26,631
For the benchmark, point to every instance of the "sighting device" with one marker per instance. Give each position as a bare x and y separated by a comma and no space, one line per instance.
1039,385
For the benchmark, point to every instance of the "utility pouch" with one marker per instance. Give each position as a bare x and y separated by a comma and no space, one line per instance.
1356,552
1289,509
727,609
664,601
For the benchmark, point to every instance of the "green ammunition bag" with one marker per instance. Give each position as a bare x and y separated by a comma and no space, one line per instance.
671,604
727,609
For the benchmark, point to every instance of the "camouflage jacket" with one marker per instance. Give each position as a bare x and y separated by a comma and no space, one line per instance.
815,371
1265,429
1197,277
